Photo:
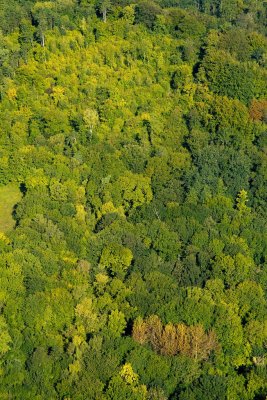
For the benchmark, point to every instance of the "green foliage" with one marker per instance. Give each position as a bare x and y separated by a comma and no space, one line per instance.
133,199
132,191
116,259
227,77
207,387
146,12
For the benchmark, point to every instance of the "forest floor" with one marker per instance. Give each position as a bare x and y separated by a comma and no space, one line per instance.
9,196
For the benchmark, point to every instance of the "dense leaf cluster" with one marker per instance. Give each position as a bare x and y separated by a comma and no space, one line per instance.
136,132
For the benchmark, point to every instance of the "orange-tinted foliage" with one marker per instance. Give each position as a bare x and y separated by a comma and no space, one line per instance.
191,341
258,110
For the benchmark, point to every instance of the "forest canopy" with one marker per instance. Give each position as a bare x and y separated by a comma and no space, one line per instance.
133,170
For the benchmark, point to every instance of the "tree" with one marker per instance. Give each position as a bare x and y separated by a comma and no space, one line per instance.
241,202
126,385
191,341
206,387
116,259
140,331
132,191
146,12
258,110
116,324
227,77
43,12
5,338
104,7
169,342
91,119
85,311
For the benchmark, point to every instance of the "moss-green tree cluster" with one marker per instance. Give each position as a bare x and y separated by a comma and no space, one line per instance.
136,267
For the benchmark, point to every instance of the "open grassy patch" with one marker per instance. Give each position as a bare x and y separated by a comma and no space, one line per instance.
9,196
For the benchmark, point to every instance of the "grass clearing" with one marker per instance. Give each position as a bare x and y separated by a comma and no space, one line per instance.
9,196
